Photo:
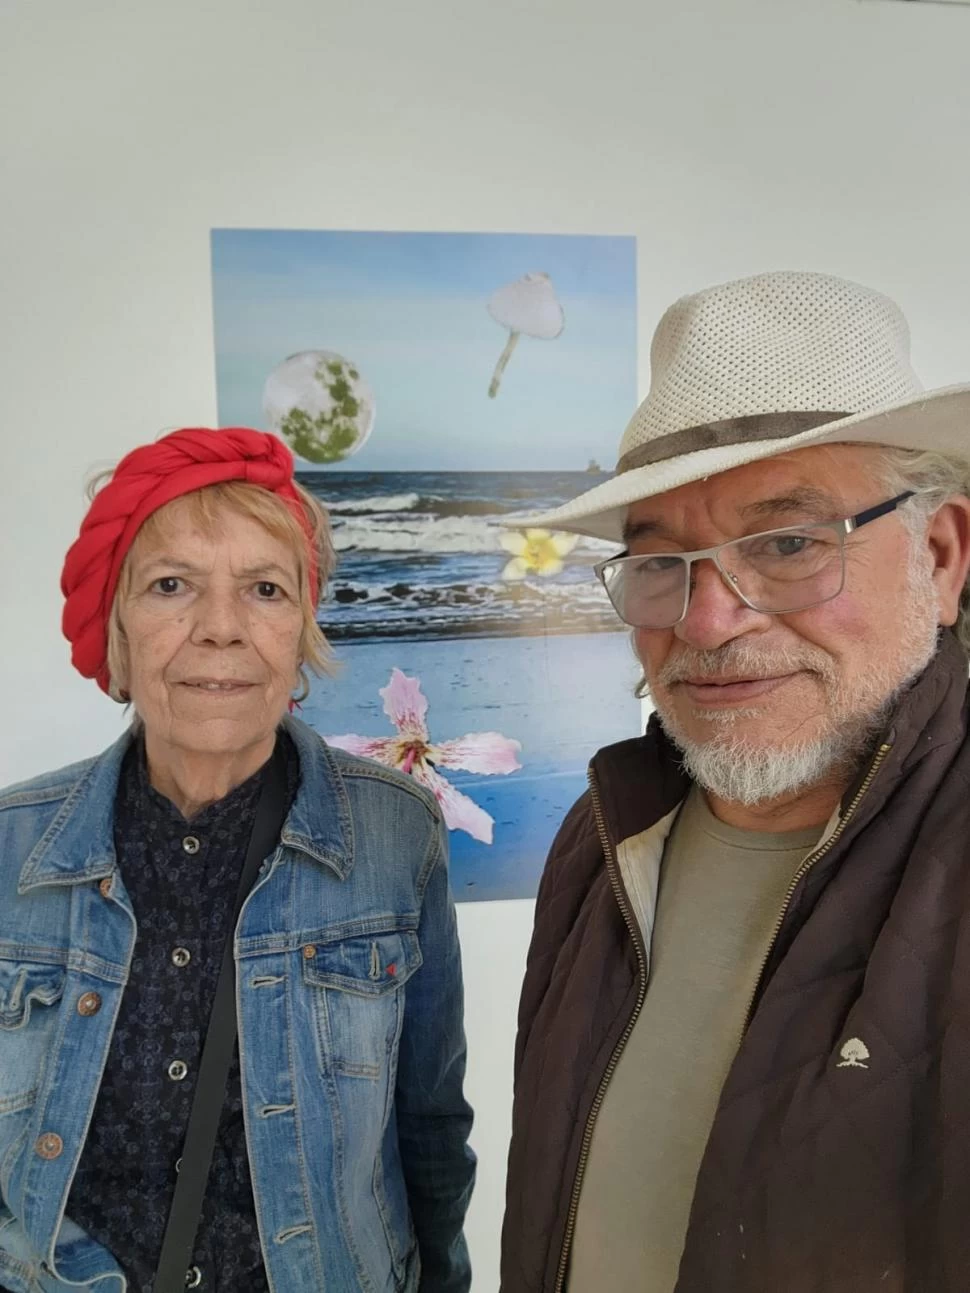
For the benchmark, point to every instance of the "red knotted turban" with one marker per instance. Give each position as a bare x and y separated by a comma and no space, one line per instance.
145,480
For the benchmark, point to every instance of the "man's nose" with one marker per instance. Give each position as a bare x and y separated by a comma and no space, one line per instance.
715,612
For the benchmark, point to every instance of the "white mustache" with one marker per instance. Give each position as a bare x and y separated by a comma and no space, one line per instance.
745,661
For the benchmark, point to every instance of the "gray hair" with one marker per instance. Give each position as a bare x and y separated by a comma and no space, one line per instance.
933,477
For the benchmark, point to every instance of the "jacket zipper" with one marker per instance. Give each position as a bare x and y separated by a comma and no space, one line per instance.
631,924
803,871
620,895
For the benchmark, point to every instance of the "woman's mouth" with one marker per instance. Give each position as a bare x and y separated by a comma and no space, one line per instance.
215,685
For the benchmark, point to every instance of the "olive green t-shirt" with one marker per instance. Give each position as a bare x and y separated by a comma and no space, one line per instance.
721,890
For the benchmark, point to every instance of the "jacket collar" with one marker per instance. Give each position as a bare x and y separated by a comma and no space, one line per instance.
929,716
78,845
639,781
319,822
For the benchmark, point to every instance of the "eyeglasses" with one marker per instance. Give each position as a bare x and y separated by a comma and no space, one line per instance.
775,572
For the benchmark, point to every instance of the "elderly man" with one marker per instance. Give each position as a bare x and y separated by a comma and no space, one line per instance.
743,1062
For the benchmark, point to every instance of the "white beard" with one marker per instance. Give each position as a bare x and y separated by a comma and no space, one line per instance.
737,771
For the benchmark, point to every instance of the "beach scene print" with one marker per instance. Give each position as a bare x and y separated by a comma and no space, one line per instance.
424,555
477,652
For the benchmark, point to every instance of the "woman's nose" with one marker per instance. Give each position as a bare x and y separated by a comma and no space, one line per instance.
219,618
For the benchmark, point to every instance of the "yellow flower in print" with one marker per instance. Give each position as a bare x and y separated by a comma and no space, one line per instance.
536,552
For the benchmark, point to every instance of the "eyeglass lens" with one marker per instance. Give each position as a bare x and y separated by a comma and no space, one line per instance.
786,571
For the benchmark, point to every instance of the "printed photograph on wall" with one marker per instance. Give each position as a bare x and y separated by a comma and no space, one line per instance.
433,386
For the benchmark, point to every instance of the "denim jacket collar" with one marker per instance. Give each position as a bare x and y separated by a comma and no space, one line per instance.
319,822
78,846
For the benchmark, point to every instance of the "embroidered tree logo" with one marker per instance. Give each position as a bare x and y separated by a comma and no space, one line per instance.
854,1054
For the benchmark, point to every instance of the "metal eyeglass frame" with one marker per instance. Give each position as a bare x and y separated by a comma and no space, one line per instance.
842,527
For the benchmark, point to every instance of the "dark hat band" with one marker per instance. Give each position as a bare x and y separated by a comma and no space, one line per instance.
714,435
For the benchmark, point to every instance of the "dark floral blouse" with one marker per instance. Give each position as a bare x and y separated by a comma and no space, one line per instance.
181,877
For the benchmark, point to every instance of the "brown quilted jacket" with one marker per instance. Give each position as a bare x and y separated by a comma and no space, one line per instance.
819,1176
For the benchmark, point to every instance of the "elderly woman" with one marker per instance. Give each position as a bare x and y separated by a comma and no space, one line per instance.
221,867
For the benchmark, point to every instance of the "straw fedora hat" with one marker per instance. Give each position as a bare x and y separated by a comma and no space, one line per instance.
763,366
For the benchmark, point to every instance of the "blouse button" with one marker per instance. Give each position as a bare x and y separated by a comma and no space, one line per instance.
177,1070
193,1277
191,845
49,1145
88,1004
181,956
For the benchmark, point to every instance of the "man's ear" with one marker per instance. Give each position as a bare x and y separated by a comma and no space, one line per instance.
948,538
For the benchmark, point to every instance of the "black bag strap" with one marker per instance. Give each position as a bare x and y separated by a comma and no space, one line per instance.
210,1089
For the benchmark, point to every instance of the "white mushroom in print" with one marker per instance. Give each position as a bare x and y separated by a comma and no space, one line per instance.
528,307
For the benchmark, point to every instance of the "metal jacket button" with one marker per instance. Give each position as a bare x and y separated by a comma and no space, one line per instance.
193,1277
191,845
309,952
88,1004
104,887
181,956
49,1145
177,1070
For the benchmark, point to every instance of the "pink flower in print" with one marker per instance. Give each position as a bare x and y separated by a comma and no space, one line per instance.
413,751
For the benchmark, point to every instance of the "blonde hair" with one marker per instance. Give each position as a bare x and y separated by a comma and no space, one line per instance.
270,511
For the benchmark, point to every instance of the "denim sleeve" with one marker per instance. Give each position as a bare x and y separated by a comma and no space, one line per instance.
433,1118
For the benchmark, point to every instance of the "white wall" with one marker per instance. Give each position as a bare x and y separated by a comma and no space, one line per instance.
730,136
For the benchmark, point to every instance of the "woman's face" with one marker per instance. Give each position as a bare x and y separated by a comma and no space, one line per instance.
213,624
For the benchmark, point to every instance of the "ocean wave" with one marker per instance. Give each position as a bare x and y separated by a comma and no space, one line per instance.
414,610
429,504
462,506
427,534
466,599
463,594
381,503
417,534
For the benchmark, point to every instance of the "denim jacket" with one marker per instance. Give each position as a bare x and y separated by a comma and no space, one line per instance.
351,1043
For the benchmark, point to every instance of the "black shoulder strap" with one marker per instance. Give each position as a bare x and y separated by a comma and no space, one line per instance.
210,1090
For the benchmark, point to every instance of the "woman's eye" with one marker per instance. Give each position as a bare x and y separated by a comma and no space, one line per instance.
267,591
167,585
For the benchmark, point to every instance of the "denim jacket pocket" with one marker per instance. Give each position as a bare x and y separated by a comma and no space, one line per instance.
359,1002
28,990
